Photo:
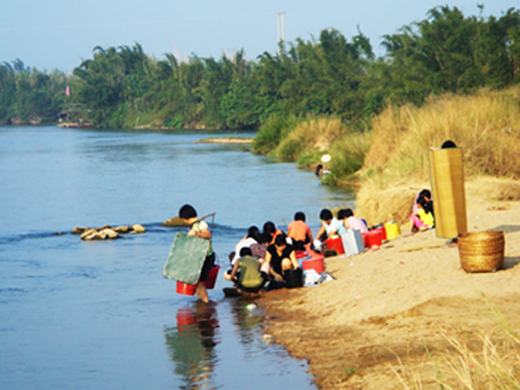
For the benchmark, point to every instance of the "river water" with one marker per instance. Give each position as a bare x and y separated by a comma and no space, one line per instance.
99,315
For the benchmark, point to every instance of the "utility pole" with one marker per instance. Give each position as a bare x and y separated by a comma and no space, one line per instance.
281,26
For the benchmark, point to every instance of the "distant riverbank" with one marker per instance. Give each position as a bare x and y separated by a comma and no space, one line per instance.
226,140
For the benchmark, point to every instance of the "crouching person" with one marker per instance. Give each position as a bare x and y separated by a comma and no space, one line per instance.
280,257
246,273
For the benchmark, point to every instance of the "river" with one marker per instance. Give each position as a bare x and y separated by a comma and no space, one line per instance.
92,315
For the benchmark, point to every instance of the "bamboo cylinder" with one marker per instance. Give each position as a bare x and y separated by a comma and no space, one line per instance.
449,196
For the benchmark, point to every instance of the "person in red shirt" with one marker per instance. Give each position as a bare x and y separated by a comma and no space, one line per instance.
299,232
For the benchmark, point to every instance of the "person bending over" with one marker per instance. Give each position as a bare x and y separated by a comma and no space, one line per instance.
329,225
346,216
246,273
249,239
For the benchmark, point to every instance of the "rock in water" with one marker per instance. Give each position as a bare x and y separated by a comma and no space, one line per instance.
137,228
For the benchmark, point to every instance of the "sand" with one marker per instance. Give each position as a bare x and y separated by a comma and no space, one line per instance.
371,328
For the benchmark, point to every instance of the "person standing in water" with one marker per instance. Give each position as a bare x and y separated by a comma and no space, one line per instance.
199,228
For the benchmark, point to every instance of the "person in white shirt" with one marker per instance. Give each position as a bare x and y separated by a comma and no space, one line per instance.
329,227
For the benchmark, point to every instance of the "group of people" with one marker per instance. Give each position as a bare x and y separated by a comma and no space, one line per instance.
263,256
268,255
260,257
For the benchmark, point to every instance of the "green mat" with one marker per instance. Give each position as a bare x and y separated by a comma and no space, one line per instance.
186,258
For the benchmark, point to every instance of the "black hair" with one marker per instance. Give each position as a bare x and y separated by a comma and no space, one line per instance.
299,216
345,213
253,232
318,169
246,251
264,238
280,240
448,144
425,194
325,215
423,202
269,227
187,211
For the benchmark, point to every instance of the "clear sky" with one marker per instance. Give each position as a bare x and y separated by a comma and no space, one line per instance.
59,34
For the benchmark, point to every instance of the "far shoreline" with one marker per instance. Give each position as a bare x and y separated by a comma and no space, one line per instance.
226,140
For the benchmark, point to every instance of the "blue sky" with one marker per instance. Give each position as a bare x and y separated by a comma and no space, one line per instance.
59,34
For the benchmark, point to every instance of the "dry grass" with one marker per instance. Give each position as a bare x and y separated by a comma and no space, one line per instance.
375,204
377,201
490,360
486,126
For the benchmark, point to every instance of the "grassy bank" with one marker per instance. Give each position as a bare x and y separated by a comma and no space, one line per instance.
485,125
387,159
306,140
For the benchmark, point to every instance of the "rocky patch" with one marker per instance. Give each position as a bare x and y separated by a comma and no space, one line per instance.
107,232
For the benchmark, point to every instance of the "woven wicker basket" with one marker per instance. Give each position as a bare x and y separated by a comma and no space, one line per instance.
482,251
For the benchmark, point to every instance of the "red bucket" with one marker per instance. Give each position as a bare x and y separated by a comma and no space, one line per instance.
316,263
185,317
383,232
300,254
212,277
185,288
336,244
373,238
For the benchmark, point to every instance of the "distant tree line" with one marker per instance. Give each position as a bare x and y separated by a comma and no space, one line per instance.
123,87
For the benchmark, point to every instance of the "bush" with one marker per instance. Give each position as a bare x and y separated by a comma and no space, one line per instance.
271,133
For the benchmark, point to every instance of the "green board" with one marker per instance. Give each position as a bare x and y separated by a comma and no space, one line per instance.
186,258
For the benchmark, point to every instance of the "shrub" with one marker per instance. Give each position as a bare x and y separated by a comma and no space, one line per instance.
272,132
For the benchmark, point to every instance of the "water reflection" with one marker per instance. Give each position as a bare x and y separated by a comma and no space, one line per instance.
247,317
191,345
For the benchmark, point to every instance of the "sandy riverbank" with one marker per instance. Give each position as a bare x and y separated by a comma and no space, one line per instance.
371,327
226,140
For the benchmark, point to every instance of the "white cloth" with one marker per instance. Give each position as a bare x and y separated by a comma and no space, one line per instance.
242,244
